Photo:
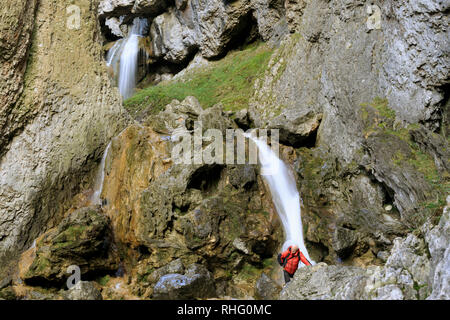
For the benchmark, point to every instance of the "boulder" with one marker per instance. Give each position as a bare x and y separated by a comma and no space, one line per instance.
83,290
322,282
196,283
172,40
83,239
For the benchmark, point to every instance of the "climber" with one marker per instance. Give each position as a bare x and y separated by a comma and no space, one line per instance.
289,261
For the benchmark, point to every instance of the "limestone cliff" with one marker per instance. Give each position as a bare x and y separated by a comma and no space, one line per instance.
357,89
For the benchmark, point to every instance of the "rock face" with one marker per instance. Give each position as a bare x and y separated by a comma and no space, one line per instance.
205,25
333,89
16,26
409,273
75,113
344,63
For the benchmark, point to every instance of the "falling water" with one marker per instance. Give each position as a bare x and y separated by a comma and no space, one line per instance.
125,52
100,178
284,193
112,58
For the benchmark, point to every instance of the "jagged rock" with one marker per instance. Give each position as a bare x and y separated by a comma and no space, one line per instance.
136,157
218,23
196,283
213,118
117,8
266,288
83,239
322,282
83,290
183,210
172,40
114,25
438,239
344,241
267,13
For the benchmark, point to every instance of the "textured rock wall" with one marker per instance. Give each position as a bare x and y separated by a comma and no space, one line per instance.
75,113
16,27
344,62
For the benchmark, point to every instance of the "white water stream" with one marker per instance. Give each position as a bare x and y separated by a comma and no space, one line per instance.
285,196
100,178
124,58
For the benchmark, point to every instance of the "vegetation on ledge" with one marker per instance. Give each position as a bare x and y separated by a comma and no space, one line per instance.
229,81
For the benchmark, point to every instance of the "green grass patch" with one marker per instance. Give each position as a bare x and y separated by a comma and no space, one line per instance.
229,81
103,281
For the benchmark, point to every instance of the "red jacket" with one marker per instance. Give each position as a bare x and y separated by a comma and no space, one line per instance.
293,260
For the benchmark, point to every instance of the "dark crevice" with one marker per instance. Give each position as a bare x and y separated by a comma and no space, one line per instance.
297,140
205,178
444,125
317,250
244,33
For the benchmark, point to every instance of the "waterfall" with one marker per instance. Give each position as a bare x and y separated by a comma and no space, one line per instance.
100,178
125,53
284,193
112,58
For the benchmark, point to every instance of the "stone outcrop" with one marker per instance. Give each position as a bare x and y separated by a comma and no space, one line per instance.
83,290
75,111
117,8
